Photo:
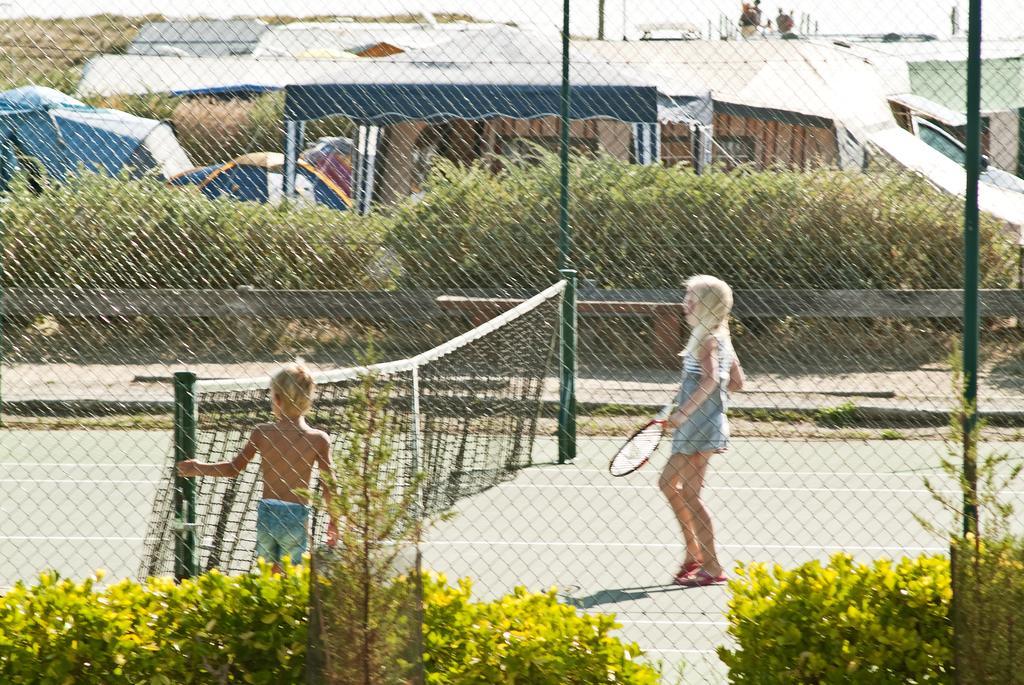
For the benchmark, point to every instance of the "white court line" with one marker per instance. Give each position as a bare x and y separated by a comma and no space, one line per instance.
739,488
75,481
70,538
674,545
671,623
68,465
673,650
803,474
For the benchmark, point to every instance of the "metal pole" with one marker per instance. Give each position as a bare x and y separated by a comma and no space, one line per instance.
972,319
567,365
564,238
567,355
3,291
185,561
600,19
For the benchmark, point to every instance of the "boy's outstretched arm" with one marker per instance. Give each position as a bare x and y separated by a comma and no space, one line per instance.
222,469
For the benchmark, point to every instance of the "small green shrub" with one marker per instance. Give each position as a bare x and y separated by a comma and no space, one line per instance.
989,610
842,622
522,638
366,590
844,414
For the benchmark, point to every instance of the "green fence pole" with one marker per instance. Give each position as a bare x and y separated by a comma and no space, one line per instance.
567,366
3,293
185,561
972,319
567,354
564,236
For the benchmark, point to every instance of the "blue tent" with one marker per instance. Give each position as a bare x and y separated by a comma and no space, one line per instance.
63,134
256,177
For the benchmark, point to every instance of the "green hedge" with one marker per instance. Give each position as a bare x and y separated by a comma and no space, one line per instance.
100,232
648,226
989,610
842,622
635,227
253,629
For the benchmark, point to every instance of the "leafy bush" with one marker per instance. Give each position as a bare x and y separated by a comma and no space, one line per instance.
522,638
253,629
97,231
213,629
989,610
841,623
645,226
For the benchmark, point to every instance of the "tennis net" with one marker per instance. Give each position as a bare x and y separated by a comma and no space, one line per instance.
463,414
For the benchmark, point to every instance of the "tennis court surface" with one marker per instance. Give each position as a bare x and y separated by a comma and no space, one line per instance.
79,500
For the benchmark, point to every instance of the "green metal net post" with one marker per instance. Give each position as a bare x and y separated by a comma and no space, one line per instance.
567,369
185,560
3,254
972,266
567,353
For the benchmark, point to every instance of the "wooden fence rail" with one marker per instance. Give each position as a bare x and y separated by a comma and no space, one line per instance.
662,307
413,305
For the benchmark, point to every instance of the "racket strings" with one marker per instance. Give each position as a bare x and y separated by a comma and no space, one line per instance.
637,450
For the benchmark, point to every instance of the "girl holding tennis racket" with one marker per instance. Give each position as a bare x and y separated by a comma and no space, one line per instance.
699,424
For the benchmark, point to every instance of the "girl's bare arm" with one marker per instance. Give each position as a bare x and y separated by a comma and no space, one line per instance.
736,376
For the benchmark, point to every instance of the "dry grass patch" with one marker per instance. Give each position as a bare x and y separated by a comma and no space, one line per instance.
51,52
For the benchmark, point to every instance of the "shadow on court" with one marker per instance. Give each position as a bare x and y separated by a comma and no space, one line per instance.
604,598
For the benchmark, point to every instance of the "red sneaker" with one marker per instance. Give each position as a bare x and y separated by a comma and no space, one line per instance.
700,578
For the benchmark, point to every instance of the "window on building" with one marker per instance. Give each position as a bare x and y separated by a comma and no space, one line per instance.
735,150
677,150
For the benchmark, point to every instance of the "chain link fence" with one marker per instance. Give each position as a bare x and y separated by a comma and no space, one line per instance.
220,196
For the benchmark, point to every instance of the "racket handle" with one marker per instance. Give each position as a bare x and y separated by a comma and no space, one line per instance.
664,413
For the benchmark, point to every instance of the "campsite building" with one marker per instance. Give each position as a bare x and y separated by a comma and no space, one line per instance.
734,102
772,102
759,102
345,39
198,37
492,89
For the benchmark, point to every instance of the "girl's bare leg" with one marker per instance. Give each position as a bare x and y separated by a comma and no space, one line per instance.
692,471
671,486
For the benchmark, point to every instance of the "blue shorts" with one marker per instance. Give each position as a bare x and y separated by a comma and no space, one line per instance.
281,530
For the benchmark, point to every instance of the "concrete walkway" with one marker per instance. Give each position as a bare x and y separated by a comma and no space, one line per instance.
925,392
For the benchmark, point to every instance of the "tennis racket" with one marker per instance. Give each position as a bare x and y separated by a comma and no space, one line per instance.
641,445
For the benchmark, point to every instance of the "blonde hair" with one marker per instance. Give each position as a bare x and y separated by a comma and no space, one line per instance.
293,387
712,304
